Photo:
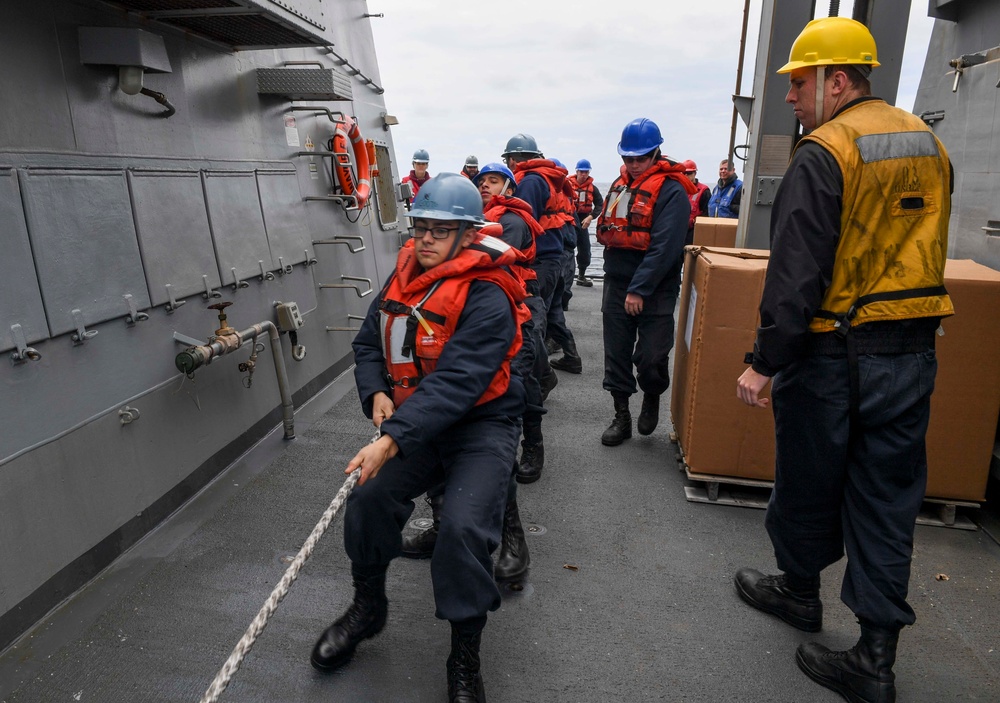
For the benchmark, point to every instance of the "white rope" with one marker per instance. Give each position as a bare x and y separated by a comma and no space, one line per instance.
243,647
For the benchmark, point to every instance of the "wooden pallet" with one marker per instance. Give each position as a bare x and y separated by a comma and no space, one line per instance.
753,493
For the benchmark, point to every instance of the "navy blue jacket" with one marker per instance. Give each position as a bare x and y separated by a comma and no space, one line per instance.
534,190
658,269
467,365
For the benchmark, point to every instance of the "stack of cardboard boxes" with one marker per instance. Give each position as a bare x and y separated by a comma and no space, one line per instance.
716,326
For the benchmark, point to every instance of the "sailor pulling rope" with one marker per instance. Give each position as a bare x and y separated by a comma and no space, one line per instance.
243,647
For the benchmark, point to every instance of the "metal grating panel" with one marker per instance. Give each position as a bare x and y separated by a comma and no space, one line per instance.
240,24
304,83
167,5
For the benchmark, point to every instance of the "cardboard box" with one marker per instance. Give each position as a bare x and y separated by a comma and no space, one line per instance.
715,232
966,400
716,325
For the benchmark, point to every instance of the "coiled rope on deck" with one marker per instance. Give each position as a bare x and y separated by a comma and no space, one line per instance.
243,647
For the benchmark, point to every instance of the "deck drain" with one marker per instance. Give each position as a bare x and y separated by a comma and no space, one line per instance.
533,529
422,523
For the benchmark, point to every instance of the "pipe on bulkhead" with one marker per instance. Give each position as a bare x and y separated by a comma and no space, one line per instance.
194,358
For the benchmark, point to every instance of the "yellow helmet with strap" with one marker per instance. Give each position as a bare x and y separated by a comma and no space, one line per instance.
832,41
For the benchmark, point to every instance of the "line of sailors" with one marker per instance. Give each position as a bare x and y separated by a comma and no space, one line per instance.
451,366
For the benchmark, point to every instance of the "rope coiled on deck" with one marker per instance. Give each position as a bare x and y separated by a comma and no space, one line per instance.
243,647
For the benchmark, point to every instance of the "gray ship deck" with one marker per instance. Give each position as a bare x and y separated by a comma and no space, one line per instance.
648,611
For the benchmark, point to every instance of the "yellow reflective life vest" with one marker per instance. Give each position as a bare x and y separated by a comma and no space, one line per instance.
894,223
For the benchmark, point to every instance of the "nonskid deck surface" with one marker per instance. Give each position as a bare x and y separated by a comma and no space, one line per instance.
648,611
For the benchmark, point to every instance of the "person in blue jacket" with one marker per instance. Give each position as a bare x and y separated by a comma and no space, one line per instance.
727,193
448,411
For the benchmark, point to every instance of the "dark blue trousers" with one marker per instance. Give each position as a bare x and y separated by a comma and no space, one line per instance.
858,489
550,284
474,461
643,341
583,255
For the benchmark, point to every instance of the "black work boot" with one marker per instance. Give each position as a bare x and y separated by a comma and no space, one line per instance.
465,683
547,383
570,360
532,461
421,545
620,428
364,619
512,565
796,601
582,280
649,416
552,347
862,674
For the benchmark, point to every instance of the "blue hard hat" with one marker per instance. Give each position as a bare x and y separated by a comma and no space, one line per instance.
420,156
521,144
582,165
495,167
639,137
558,163
448,196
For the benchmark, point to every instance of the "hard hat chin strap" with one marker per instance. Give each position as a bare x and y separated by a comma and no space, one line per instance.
820,85
462,227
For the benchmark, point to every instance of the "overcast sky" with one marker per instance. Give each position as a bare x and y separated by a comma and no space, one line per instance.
463,76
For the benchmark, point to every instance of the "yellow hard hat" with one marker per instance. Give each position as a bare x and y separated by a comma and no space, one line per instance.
831,41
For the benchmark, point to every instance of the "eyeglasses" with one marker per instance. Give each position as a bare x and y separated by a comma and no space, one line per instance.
436,232
636,159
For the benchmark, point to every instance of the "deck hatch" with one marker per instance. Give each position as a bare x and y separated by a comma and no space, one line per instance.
20,298
171,220
239,24
81,229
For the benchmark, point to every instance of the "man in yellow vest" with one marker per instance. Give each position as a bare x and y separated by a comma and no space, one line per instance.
853,297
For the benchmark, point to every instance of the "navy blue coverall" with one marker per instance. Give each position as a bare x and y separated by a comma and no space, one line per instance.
840,485
443,437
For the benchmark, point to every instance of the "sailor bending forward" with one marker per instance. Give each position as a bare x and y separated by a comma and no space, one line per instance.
433,372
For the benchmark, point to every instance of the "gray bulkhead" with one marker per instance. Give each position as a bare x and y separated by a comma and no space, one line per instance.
104,203
959,96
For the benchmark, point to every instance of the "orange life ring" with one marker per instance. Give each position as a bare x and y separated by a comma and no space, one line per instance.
358,185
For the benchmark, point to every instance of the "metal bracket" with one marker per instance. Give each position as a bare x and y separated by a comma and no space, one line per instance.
309,260
264,275
316,108
357,289
344,239
348,201
128,415
931,116
82,334
187,341
237,283
283,268
172,303
992,228
133,312
347,329
23,352
209,293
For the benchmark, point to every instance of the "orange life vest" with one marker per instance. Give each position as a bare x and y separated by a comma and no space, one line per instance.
419,311
695,203
498,206
627,218
559,207
583,198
